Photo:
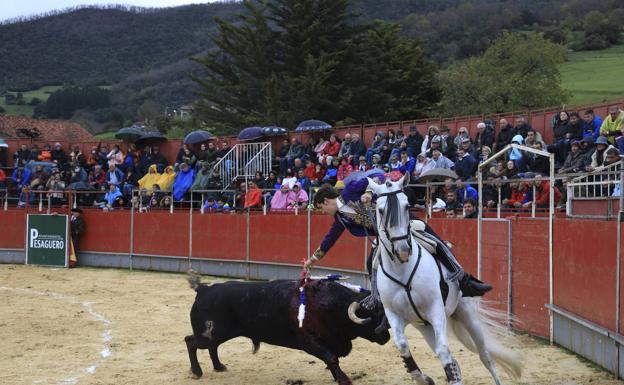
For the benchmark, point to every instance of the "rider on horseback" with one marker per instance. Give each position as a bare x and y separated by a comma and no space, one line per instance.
352,210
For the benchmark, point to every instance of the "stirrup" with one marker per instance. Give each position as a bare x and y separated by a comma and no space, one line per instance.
472,287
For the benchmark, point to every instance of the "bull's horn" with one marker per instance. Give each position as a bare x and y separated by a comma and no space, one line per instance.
352,309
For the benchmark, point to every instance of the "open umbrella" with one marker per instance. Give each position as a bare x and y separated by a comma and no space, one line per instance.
150,136
131,134
437,174
198,136
313,125
250,133
274,131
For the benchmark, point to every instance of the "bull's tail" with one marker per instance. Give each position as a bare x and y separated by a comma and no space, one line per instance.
193,278
255,347
499,341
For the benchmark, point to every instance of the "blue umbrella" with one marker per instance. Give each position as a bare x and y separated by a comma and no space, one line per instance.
250,133
198,136
313,125
274,130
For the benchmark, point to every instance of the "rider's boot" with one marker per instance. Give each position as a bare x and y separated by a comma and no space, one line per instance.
469,285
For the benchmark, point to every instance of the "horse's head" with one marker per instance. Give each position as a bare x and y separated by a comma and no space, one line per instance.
393,217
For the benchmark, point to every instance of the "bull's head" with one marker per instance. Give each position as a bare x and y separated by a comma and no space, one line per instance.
368,324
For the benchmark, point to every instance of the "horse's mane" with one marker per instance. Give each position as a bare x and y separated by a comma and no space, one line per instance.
392,210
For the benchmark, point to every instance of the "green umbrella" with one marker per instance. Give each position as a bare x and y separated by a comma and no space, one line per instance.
131,134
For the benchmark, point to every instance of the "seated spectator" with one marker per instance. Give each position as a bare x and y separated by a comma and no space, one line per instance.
521,127
408,163
362,165
253,196
279,202
215,185
575,127
499,171
56,185
598,157
78,174
271,180
505,135
376,147
518,193
99,199
58,155
115,157
148,180
156,197
576,160
297,165
462,133
413,142
470,209
436,144
447,143
432,132
21,156
201,178
303,180
331,150
298,198
166,179
130,160
93,158
183,181
612,124
97,178
466,165
185,155
512,170
295,151
376,162
591,124
212,152
422,165
440,161
111,196
308,150
259,180
486,151
289,178
357,150
319,175
451,201
344,169
450,213
331,173
345,147
114,176
281,155
319,149
155,157
166,202
394,164
538,164
2,180
309,169
34,152
484,137
542,192
466,192
46,154
131,181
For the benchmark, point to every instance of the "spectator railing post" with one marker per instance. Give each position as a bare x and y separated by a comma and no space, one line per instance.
619,251
190,244
132,212
498,205
40,201
533,201
49,204
201,204
551,218
247,244
264,206
6,200
171,205
479,219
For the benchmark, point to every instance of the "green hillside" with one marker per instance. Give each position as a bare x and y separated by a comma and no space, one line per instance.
42,94
594,76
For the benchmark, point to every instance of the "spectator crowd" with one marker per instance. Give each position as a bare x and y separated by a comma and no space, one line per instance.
112,179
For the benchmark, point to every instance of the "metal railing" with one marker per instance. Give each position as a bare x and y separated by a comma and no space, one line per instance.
243,161
602,182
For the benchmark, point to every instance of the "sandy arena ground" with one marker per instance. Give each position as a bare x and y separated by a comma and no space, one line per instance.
104,326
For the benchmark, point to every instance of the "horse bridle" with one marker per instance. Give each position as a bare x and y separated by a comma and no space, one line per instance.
384,219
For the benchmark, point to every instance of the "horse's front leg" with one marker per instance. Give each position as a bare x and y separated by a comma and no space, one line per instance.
451,367
400,341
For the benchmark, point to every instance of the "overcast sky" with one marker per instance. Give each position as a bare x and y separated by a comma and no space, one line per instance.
15,8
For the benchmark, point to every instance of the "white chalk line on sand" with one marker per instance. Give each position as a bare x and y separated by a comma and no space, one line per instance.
107,335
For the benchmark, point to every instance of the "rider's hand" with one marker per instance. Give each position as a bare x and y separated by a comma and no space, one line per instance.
309,263
366,198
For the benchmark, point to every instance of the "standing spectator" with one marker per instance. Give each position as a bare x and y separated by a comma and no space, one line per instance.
131,158
485,136
376,147
591,124
358,150
612,124
3,181
575,127
103,161
432,132
183,181
466,165
505,135
114,176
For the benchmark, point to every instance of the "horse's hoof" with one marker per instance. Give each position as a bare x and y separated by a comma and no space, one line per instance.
422,379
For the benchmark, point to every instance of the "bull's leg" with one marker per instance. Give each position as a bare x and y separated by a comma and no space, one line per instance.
400,341
314,348
214,356
192,346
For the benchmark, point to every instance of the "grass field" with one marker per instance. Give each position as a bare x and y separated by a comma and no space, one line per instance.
594,76
42,93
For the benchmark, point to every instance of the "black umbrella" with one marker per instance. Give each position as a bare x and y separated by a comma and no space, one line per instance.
129,133
150,136
198,136
82,186
313,125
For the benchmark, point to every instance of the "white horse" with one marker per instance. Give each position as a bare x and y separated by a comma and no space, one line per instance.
408,279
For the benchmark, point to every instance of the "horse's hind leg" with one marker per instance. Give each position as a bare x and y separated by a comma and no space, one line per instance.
468,318
400,341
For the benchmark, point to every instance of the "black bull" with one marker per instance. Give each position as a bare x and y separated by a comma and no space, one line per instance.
267,312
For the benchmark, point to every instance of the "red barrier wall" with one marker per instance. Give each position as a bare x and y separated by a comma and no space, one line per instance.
495,261
584,264
13,226
162,233
278,238
347,253
219,236
463,235
530,275
106,232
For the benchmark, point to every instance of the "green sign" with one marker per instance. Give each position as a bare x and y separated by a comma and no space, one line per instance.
46,240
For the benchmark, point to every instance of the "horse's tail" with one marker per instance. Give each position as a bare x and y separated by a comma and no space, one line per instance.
502,344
